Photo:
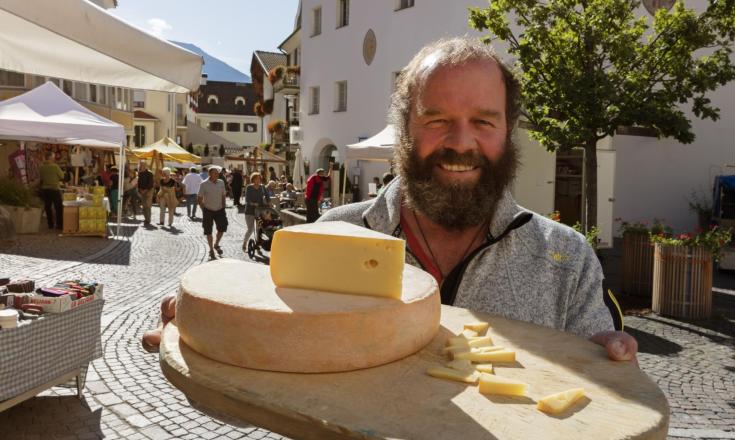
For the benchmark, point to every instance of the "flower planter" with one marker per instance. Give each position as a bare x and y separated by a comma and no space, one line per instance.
637,264
25,220
682,281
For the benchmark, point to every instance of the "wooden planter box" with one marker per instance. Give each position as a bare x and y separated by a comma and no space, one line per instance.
682,282
26,220
637,264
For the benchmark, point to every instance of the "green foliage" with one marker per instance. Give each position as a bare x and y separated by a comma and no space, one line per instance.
591,235
713,240
657,227
590,66
15,193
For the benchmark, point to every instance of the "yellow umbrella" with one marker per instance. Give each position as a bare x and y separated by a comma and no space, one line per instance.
167,149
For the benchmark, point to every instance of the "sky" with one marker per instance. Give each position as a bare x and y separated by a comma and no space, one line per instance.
226,29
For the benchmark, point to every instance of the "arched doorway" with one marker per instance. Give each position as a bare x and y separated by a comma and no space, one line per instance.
327,156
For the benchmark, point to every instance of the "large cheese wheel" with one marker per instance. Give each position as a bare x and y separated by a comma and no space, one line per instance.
230,311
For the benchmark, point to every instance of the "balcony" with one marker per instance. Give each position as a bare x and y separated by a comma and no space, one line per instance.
288,84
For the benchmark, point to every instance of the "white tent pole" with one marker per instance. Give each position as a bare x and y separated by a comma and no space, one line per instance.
120,179
344,183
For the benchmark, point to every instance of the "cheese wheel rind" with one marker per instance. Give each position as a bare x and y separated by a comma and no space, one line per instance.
230,311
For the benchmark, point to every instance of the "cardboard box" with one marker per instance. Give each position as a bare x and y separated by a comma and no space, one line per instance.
64,303
71,219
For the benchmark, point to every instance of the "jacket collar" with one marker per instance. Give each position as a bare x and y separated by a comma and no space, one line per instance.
384,215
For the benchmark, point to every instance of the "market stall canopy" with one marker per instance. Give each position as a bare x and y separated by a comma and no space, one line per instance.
198,135
77,40
169,149
378,147
47,114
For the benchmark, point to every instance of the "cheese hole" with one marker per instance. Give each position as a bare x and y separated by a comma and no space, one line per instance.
371,264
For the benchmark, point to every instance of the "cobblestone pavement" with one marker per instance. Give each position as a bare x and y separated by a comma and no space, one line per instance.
127,397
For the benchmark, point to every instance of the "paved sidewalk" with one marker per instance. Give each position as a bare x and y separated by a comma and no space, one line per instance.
127,397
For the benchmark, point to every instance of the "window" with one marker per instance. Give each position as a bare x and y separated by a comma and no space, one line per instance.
138,98
233,126
139,135
239,100
314,100
340,103
11,79
68,87
81,92
250,128
38,81
316,25
102,95
215,126
343,13
212,99
403,4
92,93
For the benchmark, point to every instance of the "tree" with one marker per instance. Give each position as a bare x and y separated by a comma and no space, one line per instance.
221,150
206,150
587,67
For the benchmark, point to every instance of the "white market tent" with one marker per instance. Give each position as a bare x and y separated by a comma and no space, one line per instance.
78,40
376,148
47,114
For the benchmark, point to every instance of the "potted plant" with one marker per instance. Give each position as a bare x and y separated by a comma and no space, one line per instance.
24,208
258,109
702,207
276,126
276,73
682,272
293,70
637,258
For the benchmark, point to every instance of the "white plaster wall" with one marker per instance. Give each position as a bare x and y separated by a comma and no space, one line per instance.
653,178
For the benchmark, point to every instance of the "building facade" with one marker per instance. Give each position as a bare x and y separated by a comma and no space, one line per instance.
352,50
226,108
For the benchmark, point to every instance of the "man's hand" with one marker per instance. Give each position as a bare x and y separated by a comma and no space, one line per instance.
620,346
152,338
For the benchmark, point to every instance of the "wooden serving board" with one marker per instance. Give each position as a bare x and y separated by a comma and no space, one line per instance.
399,400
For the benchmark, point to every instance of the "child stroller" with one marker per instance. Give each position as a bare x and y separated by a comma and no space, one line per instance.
267,222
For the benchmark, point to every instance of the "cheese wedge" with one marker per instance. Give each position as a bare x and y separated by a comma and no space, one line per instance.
451,374
461,365
491,384
560,402
485,368
476,341
487,356
480,327
338,257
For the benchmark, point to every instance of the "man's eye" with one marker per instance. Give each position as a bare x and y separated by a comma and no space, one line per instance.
484,122
436,122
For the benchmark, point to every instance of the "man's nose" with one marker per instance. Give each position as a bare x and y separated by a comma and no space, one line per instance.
461,137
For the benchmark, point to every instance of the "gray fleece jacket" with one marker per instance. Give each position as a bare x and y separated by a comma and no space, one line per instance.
542,272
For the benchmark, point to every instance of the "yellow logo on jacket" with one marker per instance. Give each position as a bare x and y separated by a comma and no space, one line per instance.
558,257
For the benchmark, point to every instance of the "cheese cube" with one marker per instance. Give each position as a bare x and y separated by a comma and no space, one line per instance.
451,374
559,402
491,384
480,327
338,257
484,368
468,333
487,356
461,365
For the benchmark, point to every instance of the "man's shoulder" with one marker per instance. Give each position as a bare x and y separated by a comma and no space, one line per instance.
543,236
351,213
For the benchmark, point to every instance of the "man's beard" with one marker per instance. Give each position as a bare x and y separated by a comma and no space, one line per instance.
456,205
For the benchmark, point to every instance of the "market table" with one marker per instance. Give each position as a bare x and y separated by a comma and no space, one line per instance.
49,351
398,400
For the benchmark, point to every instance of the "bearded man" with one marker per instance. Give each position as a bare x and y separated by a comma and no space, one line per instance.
454,110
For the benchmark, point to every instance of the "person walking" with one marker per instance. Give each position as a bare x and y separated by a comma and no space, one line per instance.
236,185
114,191
167,196
211,199
314,190
145,190
130,193
255,198
192,182
51,178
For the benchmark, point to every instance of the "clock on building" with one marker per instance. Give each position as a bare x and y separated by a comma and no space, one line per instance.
654,5
369,45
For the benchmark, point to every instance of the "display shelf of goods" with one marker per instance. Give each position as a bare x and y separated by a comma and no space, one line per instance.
682,281
637,264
